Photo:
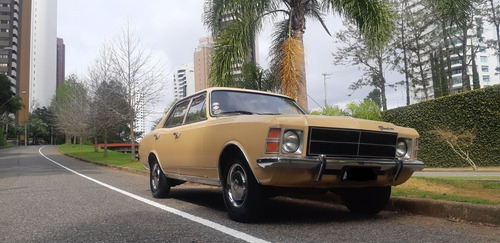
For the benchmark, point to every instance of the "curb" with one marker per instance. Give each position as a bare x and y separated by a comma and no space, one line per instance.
479,213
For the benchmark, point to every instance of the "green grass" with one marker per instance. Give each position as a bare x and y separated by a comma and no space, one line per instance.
114,158
480,190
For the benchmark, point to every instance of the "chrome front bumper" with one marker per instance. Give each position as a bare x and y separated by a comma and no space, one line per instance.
322,163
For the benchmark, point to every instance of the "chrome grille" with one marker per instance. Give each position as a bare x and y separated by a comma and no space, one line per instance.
351,143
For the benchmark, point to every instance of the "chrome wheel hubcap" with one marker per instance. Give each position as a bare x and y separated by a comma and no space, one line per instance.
237,185
155,176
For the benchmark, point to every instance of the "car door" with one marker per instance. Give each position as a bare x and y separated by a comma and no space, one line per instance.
181,139
165,138
188,142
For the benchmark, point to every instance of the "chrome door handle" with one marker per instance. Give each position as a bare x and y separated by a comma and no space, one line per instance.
177,134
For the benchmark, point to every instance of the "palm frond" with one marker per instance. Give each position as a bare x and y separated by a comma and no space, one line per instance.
456,11
287,69
374,18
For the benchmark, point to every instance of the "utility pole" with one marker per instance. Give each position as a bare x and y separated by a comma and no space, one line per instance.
325,77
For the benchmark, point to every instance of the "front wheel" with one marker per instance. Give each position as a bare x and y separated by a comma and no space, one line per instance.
241,193
367,200
158,182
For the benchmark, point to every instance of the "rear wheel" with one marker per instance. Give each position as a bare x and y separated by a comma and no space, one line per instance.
158,182
367,200
241,192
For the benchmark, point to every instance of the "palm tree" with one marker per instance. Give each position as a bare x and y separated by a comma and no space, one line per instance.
235,24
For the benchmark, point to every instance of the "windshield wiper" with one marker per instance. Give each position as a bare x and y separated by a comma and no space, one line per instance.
270,113
242,112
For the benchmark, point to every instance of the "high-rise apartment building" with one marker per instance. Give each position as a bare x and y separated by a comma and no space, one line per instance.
183,81
202,60
9,38
36,83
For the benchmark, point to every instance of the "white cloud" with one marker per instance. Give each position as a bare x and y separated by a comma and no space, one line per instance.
172,29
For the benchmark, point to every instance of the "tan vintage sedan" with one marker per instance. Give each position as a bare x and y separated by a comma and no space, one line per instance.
256,144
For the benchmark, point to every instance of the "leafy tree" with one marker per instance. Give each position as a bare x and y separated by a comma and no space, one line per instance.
331,111
9,102
235,24
44,127
37,128
375,96
110,104
373,63
366,109
254,77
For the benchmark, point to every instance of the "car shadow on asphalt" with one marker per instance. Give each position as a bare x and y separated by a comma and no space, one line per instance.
299,209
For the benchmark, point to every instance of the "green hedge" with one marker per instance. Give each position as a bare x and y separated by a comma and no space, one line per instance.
477,110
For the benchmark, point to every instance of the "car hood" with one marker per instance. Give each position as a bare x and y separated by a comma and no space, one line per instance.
344,122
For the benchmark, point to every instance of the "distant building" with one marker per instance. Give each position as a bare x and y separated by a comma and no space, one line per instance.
140,119
202,60
61,61
183,81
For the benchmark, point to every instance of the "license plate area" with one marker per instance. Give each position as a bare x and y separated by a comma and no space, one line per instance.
359,174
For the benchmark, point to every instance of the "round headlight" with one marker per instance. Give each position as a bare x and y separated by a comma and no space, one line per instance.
401,148
291,141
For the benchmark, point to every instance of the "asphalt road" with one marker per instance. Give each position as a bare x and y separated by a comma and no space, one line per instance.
48,197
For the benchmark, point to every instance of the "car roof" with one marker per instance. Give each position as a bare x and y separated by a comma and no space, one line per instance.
209,90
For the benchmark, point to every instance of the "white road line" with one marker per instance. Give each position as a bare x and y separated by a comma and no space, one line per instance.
208,223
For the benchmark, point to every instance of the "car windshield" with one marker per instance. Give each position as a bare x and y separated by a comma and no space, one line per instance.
225,103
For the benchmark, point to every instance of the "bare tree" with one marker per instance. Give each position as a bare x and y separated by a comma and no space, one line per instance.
109,104
141,74
459,143
71,108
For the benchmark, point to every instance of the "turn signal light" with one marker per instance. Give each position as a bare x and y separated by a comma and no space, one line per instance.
273,140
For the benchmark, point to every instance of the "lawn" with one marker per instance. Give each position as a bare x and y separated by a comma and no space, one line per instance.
481,190
114,158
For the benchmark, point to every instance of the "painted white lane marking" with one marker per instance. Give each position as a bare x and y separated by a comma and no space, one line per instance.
208,223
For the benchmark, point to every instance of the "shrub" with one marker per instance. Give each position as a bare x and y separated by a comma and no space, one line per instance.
477,110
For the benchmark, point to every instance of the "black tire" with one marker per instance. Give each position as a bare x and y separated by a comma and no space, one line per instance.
158,182
367,200
241,193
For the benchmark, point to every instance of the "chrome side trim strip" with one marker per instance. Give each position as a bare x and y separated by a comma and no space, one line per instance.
201,180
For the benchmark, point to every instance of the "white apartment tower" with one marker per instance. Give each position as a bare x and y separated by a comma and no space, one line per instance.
183,82
43,50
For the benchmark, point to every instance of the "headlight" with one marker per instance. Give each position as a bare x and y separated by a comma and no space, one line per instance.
402,148
291,141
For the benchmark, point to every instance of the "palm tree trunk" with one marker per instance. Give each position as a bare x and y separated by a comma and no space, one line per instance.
298,19
301,69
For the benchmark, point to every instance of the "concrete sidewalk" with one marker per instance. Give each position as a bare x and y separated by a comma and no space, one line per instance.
456,173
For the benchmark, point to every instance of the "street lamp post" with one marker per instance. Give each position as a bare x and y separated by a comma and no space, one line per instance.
324,82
